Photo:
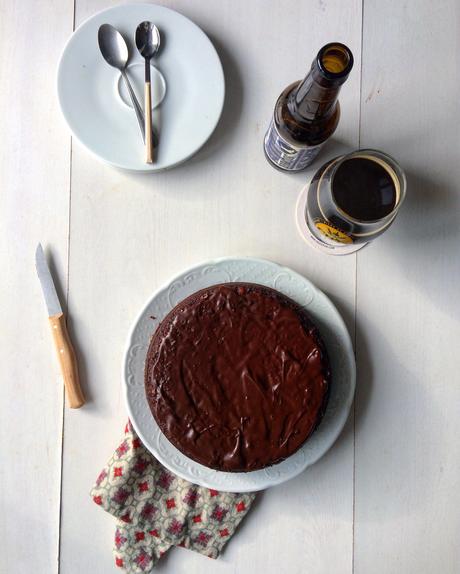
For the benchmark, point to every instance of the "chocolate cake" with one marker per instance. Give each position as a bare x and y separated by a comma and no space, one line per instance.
237,377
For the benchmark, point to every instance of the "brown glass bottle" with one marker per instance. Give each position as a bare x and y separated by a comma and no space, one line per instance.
307,112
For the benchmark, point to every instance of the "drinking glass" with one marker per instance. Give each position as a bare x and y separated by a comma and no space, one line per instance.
347,211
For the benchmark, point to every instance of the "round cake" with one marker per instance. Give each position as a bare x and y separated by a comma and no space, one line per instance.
237,377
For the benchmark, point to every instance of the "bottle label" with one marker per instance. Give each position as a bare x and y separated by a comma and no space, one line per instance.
286,155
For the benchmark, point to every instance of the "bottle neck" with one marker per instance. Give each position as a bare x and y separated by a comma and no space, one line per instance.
314,98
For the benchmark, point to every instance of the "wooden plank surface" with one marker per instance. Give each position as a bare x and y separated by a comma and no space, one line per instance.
408,406
34,184
128,234
131,233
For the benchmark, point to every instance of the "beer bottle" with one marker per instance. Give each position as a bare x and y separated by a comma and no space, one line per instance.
307,112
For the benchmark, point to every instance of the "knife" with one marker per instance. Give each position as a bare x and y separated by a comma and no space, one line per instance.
62,342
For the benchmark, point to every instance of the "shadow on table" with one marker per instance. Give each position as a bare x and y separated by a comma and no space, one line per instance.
364,372
233,105
377,453
231,111
221,136
429,212
422,245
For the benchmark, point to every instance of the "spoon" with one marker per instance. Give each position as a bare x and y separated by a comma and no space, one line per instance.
115,52
148,42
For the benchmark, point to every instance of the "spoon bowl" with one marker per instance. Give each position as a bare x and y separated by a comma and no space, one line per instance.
113,46
147,39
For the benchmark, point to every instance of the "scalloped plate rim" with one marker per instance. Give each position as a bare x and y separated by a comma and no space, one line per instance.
268,480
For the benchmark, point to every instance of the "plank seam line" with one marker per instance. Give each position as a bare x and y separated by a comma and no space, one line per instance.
361,76
67,306
63,401
356,307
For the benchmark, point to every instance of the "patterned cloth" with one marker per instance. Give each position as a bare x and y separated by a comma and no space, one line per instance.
156,509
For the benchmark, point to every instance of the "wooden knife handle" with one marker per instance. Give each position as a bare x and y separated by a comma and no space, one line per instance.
148,124
67,360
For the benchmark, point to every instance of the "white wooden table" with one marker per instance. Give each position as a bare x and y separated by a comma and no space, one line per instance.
386,497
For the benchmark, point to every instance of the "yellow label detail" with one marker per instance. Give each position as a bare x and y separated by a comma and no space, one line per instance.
333,233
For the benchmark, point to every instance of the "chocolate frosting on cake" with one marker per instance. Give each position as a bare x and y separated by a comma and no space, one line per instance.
237,377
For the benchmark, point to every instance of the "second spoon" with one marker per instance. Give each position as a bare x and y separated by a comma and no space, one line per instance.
148,42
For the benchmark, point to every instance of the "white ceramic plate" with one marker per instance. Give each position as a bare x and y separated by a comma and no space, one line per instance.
188,77
332,329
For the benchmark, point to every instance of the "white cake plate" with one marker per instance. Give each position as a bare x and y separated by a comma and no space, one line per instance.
291,284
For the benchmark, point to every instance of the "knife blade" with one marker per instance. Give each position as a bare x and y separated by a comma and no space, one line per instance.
49,290
62,342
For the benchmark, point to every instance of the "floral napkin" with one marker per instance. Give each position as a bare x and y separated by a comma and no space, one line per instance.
156,509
